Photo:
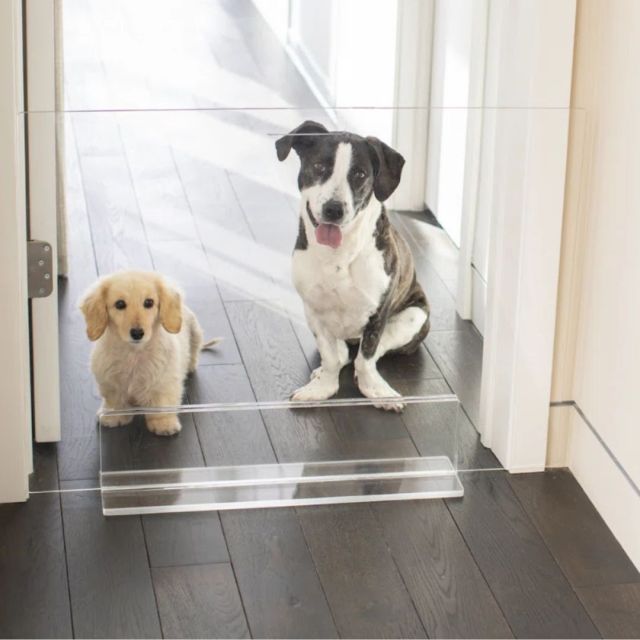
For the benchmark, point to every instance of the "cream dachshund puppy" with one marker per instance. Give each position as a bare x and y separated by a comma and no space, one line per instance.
147,341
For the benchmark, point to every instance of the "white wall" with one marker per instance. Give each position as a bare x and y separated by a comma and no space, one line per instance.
599,302
447,141
347,49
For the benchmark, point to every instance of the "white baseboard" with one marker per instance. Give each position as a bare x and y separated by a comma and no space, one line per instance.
606,483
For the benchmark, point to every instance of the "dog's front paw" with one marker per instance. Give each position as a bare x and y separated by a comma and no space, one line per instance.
321,387
163,425
115,421
374,387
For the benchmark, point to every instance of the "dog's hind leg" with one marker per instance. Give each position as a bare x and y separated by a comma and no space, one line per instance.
402,332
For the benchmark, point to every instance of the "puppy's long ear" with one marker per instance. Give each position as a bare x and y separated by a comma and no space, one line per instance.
94,308
297,138
169,307
387,164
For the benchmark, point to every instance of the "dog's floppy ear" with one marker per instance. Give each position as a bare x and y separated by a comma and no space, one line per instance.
387,164
169,306
297,138
94,308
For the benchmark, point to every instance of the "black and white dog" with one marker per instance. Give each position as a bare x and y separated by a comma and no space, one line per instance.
353,270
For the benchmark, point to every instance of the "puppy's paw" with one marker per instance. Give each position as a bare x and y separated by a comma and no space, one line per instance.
163,425
321,387
115,421
374,387
316,372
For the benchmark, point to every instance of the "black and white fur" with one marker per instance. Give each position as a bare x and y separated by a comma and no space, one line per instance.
354,272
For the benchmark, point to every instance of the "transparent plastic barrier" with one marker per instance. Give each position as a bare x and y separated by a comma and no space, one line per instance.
200,197
282,454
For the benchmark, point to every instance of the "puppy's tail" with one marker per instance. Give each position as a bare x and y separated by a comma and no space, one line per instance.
211,343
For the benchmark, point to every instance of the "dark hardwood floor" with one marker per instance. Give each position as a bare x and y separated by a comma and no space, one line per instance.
518,556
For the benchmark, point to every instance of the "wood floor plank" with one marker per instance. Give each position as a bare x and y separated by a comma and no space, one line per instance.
234,437
117,229
45,467
459,356
109,577
237,260
534,595
449,591
276,367
35,595
78,450
367,596
615,608
133,446
199,602
443,428
184,538
574,531
280,588
161,199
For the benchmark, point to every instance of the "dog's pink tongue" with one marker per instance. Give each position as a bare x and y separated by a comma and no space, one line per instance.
329,234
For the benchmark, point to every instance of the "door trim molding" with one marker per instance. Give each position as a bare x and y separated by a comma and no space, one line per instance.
40,29
15,388
535,74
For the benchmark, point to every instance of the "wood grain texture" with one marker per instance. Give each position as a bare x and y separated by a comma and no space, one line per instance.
199,602
575,533
133,446
78,450
449,591
184,538
615,609
280,589
234,437
35,594
109,576
367,596
535,597
276,367
459,356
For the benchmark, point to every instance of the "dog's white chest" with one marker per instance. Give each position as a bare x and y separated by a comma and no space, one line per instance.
340,293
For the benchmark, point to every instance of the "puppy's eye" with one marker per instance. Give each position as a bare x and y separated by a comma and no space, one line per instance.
319,167
148,303
359,175
120,304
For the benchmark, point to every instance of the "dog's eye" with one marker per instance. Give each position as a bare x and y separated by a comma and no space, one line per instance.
148,303
120,304
319,167
359,174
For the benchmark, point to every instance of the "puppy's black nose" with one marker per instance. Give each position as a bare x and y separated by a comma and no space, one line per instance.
332,211
137,334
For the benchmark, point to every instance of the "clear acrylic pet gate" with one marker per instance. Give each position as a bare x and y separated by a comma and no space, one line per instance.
200,196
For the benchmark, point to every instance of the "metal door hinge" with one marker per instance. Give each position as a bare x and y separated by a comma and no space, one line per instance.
40,268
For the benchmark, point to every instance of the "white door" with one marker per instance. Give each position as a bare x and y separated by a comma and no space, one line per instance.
15,399
40,39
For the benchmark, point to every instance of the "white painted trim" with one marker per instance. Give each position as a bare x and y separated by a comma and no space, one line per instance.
615,497
536,45
414,43
15,393
475,117
41,94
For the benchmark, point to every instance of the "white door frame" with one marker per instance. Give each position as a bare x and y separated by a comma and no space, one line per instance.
533,87
15,390
41,126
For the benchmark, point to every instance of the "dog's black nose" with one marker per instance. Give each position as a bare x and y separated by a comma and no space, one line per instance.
332,211
137,334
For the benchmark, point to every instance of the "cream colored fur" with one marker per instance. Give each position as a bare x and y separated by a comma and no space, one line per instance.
151,372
